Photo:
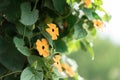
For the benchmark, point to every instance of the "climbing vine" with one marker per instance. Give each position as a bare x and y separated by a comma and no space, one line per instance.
37,35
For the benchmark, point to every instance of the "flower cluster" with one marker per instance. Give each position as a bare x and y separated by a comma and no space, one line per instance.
63,66
42,45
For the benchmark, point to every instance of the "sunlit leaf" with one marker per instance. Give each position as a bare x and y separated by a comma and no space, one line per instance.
96,16
98,2
106,17
73,45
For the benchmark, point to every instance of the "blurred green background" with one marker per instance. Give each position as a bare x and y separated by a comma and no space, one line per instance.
106,65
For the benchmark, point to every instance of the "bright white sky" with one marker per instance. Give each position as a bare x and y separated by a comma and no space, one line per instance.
112,29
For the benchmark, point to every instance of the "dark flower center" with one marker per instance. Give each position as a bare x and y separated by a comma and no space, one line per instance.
97,24
53,30
43,47
57,62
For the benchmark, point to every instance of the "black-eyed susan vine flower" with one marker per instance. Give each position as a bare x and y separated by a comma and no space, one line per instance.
42,47
87,3
68,69
53,31
98,24
57,63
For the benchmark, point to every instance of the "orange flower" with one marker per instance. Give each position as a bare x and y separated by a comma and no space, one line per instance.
53,31
42,47
57,64
98,24
68,69
87,3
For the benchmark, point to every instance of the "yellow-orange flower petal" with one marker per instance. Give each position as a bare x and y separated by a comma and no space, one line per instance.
53,31
68,69
98,24
42,47
57,58
57,64
87,3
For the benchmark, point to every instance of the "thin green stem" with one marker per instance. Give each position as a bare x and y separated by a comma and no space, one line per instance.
36,34
24,32
30,42
35,4
10,74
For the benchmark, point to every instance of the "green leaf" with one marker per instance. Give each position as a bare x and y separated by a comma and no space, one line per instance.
70,21
4,4
19,43
28,17
70,1
58,74
10,9
31,74
79,31
24,50
10,57
93,32
98,2
85,45
9,29
60,46
107,17
73,45
96,16
88,13
36,62
48,37
22,30
59,5
49,4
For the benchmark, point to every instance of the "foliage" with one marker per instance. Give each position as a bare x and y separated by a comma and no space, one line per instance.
105,66
37,33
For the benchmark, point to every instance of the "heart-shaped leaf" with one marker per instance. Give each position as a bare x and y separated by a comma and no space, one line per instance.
19,43
28,17
31,74
79,31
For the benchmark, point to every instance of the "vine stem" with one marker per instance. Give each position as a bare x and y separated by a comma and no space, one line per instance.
10,74
35,4
24,32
